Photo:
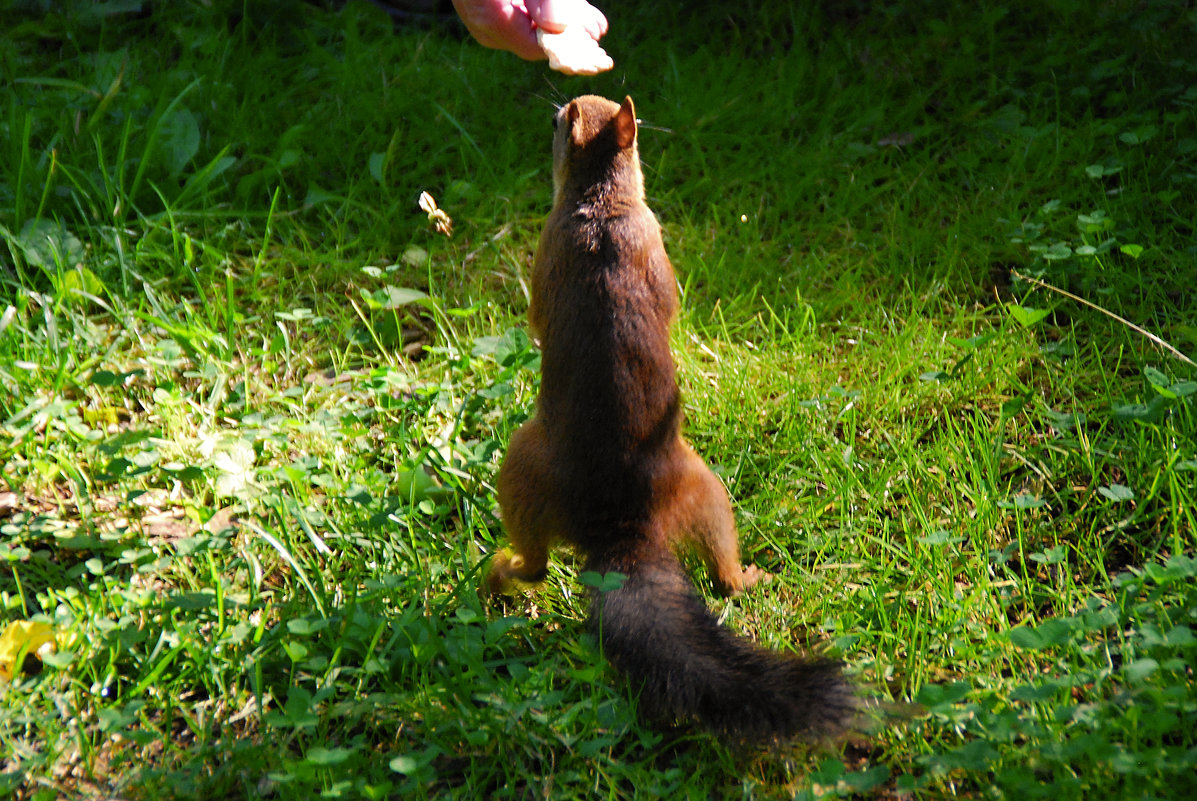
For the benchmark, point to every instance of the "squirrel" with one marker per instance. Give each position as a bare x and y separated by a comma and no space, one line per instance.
602,464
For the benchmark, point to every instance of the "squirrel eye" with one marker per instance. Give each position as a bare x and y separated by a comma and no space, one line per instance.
554,122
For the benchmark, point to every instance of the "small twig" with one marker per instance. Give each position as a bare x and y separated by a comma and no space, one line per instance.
1043,285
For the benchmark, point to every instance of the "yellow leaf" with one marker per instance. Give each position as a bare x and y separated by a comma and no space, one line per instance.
22,638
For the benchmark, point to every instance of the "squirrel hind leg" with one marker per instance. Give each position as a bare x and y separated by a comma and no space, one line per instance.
701,513
529,510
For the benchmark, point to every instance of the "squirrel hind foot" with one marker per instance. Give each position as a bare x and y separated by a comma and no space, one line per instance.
509,568
754,575
733,584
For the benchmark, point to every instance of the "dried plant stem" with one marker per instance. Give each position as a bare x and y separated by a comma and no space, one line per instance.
1157,340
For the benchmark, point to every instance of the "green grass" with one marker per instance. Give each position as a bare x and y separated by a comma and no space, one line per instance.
252,404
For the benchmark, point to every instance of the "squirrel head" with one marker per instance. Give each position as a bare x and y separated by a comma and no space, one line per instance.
594,140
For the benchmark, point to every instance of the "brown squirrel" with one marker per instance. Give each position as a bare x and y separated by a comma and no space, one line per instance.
602,464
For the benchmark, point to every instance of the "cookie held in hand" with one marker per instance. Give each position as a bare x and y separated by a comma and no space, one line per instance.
574,51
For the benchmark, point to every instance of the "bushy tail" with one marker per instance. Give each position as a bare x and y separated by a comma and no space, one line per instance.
658,631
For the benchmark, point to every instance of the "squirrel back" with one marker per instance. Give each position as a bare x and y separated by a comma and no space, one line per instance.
603,298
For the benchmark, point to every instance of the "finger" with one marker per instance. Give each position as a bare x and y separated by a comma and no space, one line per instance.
554,16
551,15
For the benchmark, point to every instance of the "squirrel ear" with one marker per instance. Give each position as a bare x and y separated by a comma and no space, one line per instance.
625,123
572,113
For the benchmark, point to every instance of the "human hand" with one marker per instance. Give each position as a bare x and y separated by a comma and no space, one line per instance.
572,29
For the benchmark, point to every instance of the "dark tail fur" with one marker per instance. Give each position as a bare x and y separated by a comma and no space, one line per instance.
658,631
